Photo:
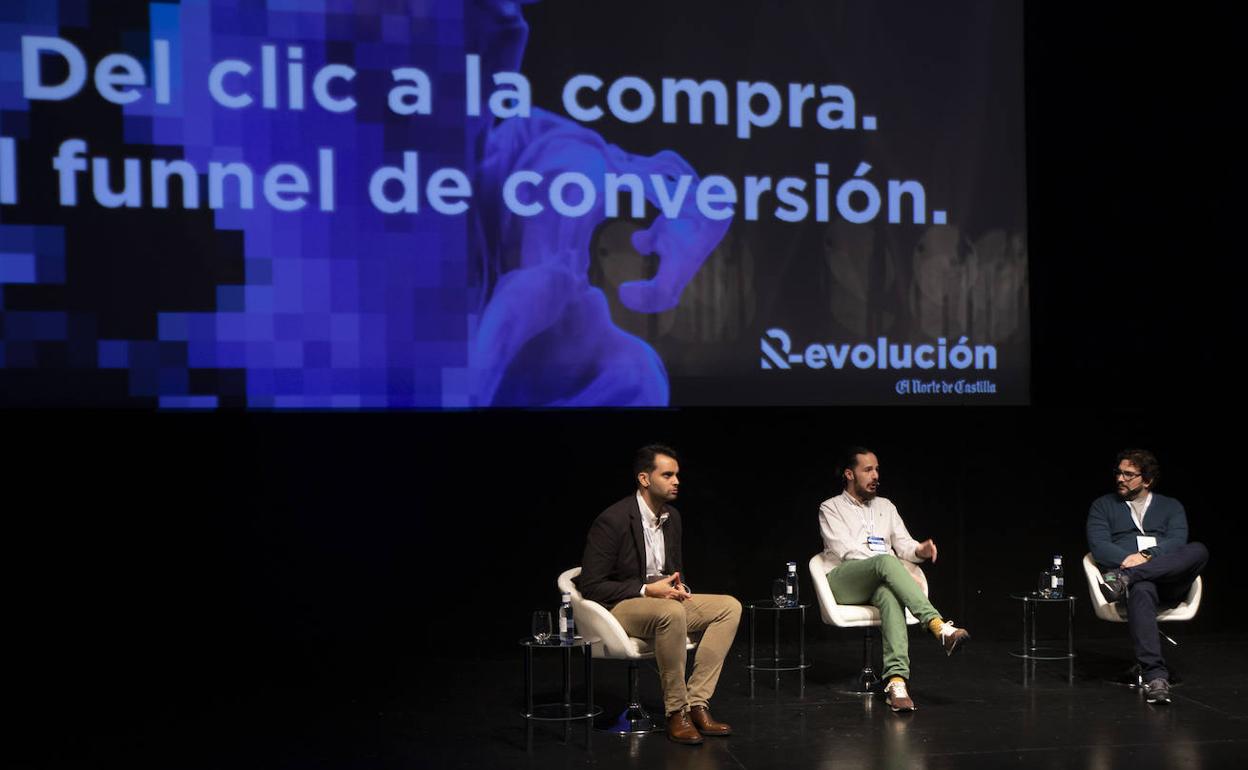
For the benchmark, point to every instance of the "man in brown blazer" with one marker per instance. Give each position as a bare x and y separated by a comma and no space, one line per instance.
632,566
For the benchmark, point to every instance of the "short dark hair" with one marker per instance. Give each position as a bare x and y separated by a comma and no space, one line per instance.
643,461
849,460
1143,459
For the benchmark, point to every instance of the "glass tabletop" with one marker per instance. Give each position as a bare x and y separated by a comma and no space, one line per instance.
555,642
770,604
1032,596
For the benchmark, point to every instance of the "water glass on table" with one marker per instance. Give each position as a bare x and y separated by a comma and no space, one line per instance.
779,592
541,625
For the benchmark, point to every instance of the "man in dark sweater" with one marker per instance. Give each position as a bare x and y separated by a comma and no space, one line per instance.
1140,538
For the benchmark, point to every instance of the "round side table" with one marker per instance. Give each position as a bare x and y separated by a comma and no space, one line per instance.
565,711
1030,650
778,664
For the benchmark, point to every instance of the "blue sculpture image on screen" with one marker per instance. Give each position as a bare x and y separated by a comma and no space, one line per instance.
344,305
543,313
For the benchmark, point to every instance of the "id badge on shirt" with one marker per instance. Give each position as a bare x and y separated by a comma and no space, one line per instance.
1144,541
877,544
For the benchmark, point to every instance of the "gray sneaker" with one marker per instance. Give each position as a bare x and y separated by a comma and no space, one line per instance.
1113,585
1157,691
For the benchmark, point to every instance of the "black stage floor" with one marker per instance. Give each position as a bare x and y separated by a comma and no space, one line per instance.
982,708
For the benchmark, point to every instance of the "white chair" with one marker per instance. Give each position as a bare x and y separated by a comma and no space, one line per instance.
856,616
592,619
1116,612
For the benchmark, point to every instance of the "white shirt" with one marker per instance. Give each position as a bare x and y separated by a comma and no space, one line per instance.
1138,508
652,527
846,524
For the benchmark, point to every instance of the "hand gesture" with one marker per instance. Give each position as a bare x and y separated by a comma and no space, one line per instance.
926,550
667,588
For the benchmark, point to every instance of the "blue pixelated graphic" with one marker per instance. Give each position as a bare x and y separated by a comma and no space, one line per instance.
35,325
113,354
352,307
17,268
31,254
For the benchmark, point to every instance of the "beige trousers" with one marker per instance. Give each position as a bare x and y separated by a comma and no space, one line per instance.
667,622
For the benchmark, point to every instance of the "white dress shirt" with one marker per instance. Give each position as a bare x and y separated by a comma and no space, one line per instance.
652,528
1138,508
846,524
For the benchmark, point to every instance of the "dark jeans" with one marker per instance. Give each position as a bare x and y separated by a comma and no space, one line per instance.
1163,581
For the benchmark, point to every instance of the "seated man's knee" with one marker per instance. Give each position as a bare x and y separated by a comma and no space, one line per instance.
885,599
670,614
885,562
1200,551
734,607
1142,594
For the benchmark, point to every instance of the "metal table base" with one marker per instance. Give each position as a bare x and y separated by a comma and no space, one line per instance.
778,664
567,710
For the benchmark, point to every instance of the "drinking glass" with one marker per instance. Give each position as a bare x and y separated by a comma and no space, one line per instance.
779,592
541,625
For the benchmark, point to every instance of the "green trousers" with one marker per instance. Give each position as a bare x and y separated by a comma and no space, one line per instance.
882,581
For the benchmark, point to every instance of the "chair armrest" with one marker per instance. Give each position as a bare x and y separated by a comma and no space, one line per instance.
592,619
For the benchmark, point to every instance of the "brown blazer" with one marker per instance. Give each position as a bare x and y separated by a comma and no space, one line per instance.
614,566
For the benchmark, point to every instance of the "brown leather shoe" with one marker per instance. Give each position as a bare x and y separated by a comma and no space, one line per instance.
681,730
706,723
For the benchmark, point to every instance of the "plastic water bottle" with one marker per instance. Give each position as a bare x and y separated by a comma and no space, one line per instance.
1057,579
567,624
790,584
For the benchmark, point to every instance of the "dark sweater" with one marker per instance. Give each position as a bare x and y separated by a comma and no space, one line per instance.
1112,531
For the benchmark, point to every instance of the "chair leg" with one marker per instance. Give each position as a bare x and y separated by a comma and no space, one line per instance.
868,682
634,720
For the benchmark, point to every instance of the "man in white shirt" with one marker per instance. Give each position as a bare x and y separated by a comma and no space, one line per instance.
866,540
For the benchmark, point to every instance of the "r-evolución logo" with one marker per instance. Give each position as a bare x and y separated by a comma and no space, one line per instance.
778,353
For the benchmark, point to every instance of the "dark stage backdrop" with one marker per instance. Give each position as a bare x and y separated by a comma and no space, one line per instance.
271,546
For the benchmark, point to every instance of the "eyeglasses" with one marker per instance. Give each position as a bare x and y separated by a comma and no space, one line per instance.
1126,475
